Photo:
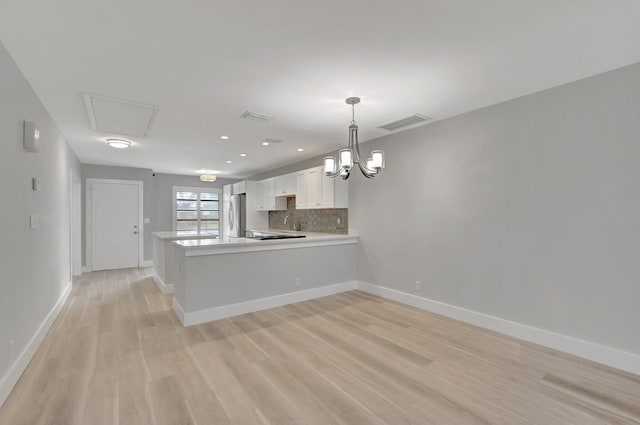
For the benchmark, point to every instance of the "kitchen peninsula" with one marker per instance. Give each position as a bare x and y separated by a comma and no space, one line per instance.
217,278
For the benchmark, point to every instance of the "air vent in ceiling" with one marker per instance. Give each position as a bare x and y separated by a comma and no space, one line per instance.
119,116
250,115
405,122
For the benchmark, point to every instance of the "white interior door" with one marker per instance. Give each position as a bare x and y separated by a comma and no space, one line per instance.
114,225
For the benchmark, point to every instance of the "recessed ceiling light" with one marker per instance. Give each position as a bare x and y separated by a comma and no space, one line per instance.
224,137
265,143
300,150
118,143
229,162
243,154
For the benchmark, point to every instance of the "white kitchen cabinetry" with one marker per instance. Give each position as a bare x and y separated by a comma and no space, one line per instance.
265,196
285,185
315,190
239,188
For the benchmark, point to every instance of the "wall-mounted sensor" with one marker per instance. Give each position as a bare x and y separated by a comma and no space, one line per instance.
35,183
31,137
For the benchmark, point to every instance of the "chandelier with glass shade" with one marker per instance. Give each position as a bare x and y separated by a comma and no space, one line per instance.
350,156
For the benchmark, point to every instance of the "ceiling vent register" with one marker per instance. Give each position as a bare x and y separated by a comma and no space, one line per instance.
405,122
256,116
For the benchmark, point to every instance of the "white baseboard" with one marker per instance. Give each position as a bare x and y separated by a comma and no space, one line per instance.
22,361
217,313
165,288
146,263
588,350
179,311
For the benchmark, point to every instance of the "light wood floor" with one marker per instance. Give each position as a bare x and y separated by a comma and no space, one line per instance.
118,355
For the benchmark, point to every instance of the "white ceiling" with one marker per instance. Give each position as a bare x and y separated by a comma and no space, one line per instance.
203,63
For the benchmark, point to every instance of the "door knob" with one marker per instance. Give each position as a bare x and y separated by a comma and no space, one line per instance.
135,233
135,226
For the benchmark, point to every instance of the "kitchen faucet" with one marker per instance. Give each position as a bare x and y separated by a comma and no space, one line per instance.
295,226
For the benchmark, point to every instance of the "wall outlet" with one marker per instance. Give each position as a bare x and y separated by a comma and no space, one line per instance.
418,285
298,282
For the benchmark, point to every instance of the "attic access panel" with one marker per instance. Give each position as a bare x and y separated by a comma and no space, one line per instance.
119,116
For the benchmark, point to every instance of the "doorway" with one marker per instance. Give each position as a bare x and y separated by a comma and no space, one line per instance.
114,224
75,225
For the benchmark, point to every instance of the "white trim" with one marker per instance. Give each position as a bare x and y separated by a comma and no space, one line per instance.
88,185
162,286
177,308
588,350
217,313
146,263
86,269
75,223
10,379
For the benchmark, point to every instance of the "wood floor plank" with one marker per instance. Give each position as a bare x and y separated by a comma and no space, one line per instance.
117,354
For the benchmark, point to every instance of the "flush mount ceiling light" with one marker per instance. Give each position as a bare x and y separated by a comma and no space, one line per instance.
300,150
265,143
224,137
209,178
351,154
228,162
243,154
118,143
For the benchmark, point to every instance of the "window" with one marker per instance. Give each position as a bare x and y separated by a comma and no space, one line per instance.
196,211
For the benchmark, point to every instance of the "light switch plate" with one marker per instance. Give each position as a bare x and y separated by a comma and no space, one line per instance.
31,137
34,221
146,221
35,183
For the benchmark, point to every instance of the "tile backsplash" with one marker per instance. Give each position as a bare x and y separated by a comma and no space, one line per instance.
326,220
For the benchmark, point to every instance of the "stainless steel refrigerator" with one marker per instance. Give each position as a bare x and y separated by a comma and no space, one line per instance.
236,216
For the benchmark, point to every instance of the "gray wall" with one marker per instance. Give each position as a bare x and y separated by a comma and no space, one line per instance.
163,195
291,168
527,210
34,263
157,197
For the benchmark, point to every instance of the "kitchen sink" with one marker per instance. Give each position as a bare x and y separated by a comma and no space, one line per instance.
265,236
269,237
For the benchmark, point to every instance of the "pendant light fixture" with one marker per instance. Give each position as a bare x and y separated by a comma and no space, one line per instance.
209,178
350,155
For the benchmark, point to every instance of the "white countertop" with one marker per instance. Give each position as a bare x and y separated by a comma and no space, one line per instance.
200,246
169,235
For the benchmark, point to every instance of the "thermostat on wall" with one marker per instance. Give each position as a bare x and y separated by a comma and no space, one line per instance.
31,137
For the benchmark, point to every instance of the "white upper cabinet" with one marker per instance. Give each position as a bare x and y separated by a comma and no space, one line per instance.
315,190
311,188
301,191
265,196
239,188
286,185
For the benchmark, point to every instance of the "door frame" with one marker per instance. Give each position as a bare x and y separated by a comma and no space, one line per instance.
88,220
75,225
